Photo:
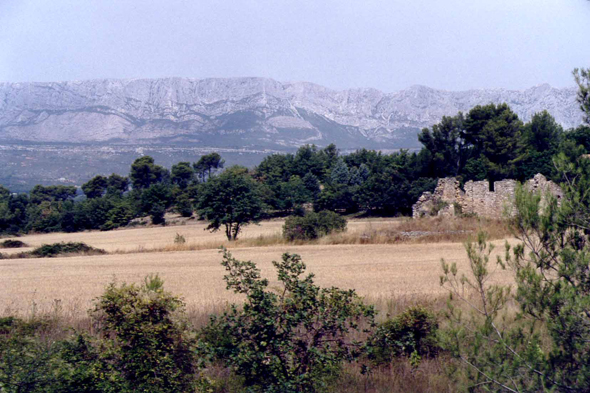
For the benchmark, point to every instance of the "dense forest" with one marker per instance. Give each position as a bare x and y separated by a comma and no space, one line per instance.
488,142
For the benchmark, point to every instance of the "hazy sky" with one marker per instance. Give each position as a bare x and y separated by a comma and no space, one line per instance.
388,44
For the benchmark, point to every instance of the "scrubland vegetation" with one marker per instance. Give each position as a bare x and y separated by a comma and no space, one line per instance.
303,305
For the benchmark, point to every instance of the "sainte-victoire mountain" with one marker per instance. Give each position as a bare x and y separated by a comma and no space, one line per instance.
247,112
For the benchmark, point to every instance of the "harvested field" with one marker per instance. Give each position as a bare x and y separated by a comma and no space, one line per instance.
195,233
379,272
268,233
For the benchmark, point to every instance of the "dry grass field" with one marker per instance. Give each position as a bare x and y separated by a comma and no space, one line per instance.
195,233
390,262
380,272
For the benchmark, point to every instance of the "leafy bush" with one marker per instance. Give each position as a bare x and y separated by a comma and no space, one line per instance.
290,340
412,333
147,347
27,363
141,346
14,325
313,225
10,243
56,249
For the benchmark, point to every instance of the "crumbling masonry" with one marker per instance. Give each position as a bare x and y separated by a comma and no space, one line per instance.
477,198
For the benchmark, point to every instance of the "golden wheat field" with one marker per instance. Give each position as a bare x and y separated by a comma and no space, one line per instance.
194,232
376,271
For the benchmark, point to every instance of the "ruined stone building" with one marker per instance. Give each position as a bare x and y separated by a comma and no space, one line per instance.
477,197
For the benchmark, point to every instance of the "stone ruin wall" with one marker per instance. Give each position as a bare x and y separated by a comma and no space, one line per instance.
477,197
481,201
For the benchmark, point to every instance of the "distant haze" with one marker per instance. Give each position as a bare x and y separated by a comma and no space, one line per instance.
389,44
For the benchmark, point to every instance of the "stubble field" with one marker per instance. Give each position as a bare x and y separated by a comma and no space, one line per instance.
380,272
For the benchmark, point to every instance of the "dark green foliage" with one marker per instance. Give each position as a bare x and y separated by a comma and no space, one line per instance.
359,175
145,173
113,186
157,212
412,333
80,368
44,217
374,195
117,185
7,324
95,187
18,326
232,200
475,169
155,200
291,340
120,215
182,174
41,194
58,249
11,243
580,136
340,174
309,159
444,145
313,225
337,197
88,214
540,141
208,165
275,169
292,194
26,364
184,205
483,143
4,194
312,185
582,77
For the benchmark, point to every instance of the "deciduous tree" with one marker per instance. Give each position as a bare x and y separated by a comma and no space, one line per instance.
232,200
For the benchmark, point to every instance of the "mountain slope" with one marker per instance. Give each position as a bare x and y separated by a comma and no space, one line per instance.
247,112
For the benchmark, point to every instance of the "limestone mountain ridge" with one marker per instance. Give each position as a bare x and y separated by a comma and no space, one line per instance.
248,112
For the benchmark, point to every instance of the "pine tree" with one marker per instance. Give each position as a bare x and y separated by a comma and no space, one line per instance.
340,173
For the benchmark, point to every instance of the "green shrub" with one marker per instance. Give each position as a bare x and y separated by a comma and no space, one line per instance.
290,340
141,345
147,346
313,225
56,249
412,333
27,363
14,325
10,243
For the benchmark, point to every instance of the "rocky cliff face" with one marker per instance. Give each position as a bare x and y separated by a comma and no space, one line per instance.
247,112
